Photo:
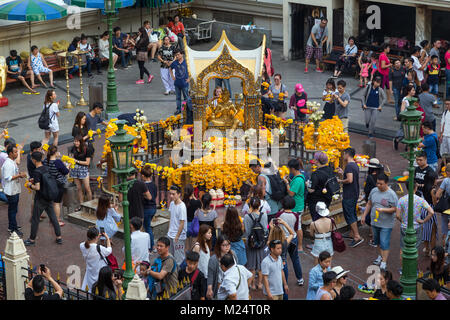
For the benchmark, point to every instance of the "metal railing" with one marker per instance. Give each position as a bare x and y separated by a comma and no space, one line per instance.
68,293
2,279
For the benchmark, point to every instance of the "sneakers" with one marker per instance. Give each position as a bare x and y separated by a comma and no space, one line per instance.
70,76
166,93
150,78
306,70
90,75
177,112
59,241
300,282
372,243
367,125
355,243
395,143
365,288
319,70
377,261
140,81
383,265
172,92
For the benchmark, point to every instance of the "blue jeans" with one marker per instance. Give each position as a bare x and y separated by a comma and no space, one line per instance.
286,274
434,88
124,56
13,202
433,166
293,253
349,210
148,216
185,92
397,103
382,237
447,84
226,82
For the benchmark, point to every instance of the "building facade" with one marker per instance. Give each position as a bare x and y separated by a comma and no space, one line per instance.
402,23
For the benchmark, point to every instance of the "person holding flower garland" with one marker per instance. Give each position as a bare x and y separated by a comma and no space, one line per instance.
279,93
329,96
298,102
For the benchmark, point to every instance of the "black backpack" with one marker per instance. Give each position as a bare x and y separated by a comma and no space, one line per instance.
332,185
438,151
278,187
44,118
49,187
257,238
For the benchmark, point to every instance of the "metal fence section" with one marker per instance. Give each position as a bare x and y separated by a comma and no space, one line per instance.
293,137
68,293
2,279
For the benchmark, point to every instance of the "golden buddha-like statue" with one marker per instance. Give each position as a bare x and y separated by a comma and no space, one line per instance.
223,113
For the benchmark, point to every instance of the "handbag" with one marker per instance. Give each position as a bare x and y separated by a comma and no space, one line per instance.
142,56
337,239
193,227
443,203
290,113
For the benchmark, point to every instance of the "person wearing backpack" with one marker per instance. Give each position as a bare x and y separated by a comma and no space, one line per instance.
273,186
48,120
256,232
196,277
46,192
163,272
430,144
318,190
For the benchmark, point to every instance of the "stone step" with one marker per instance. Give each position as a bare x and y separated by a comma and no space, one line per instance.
160,222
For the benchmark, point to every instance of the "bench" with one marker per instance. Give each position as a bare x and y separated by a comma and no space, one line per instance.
53,62
337,51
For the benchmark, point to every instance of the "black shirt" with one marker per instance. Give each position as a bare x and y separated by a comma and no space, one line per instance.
427,177
199,285
30,165
351,190
318,180
378,294
29,295
37,178
82,156
371,182
136,199
151,204
397,76
77,131
194,204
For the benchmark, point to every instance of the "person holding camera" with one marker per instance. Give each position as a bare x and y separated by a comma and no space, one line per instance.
94,255
109,284
36,287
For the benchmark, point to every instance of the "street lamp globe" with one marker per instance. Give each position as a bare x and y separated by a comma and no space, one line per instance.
411,123
110,6
122,149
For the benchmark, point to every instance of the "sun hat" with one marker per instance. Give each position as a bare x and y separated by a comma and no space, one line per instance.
299,88
340,272
374,163
321,209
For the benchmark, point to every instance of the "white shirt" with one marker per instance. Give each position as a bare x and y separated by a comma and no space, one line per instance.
3,157
231,284
204,261
53,110
416,66
265,208
140,245
10,169
103,48
93,263
87,47
177,213
446,120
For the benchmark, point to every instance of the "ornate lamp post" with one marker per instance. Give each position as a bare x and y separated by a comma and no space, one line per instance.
411,128
122,150
111,93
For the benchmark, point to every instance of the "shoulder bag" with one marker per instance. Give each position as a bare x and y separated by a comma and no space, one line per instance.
336,238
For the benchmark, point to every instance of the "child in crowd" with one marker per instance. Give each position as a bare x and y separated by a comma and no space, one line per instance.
342,102
364,74
374,66
433,76
328,96
143,267
196,278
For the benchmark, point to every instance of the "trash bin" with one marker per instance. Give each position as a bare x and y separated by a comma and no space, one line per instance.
95,94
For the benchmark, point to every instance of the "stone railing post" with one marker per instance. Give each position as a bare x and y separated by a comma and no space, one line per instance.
15,259
136,289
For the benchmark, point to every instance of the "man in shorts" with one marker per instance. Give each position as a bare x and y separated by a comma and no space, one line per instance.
17,71
314,46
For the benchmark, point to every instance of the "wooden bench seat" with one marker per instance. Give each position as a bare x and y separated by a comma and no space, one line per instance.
52,62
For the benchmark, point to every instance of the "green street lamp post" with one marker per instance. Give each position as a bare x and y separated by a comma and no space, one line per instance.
111,93
122,151
411,128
